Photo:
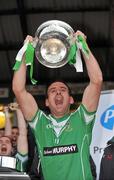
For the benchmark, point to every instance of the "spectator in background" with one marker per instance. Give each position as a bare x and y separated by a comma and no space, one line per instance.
8,128
5,146
19,161
107,162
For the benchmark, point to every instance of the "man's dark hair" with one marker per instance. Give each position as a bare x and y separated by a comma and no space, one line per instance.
54,81
15,127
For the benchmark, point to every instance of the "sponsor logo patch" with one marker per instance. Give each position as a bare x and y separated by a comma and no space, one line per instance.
59,150
107,118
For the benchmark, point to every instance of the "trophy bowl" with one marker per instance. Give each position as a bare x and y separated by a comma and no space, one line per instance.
53,45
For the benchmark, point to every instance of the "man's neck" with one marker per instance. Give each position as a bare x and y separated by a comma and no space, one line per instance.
57,116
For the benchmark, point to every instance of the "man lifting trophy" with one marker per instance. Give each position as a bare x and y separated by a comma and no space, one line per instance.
62,137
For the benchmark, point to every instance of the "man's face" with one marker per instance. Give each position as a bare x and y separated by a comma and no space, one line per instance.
5,146
58,99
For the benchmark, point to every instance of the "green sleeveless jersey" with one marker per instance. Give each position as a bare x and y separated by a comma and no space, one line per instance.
21,162
63,144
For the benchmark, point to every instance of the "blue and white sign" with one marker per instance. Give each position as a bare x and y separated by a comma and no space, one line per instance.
103,129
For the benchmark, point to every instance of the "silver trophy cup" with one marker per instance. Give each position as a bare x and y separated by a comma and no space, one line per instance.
52,40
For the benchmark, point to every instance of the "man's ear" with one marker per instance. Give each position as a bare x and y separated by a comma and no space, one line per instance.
46,102
71,100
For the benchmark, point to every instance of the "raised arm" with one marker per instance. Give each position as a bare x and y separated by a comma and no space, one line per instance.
22,142
26,101
92,92
8,125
